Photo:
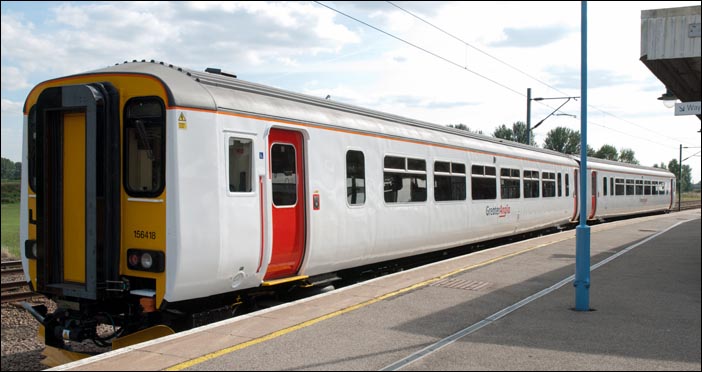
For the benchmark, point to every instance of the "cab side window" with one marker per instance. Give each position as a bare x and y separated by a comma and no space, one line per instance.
144,146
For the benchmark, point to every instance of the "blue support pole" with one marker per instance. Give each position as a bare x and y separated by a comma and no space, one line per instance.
582,232
528,139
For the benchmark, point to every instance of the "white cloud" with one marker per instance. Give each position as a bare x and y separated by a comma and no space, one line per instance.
308,48
13,78
11,107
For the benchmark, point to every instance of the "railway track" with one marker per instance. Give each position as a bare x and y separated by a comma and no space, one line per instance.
689,204
14,288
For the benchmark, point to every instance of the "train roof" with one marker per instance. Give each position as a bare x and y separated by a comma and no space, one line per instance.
217,91
619,166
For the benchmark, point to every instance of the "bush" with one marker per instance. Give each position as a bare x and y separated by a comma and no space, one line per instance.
10,192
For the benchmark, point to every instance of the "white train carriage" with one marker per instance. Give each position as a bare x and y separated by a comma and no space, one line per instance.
147,187
283,186
625,189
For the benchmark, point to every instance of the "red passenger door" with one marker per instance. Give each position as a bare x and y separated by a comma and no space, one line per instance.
594,196
286,172
576,182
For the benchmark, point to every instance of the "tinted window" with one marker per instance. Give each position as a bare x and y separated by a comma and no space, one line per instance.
32,147
284,177
483,183
509,183
144,147
630,187
449,181
355,178
619,186
240,164
548,181
531,184
404,180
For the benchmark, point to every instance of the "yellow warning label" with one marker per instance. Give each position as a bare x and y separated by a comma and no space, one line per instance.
182,124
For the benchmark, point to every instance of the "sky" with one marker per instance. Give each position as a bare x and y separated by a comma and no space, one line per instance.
446,63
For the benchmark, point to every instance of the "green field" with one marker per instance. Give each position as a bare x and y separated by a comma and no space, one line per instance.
10,229
690,196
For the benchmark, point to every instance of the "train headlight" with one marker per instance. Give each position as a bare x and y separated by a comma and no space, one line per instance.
146,260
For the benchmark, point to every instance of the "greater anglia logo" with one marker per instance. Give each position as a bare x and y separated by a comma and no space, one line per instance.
500,211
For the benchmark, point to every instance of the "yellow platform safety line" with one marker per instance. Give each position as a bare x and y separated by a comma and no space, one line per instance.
270,336
271,283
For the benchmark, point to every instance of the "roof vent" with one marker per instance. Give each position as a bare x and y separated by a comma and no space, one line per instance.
219,71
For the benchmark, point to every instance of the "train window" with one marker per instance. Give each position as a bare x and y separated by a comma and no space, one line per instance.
416,165
405,180
604,186
639,187
32,148
630,187
531,184
394,162
449,181
284,174
560,185
647,187
619,187
611,186
567,185
509,183
548,182
144,146
484,183
355,178
240,164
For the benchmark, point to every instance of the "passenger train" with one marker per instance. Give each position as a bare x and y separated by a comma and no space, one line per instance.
149,189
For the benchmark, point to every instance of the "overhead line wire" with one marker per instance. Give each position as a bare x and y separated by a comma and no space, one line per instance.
422,49
519,70
474,47
465,68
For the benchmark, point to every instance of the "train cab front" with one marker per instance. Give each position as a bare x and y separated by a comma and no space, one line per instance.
94,206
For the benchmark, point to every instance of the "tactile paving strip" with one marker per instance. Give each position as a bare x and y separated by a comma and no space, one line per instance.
470,285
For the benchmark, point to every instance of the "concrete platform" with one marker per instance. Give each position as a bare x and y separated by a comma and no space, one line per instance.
507,308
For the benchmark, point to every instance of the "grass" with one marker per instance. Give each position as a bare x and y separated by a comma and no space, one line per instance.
690,196
10,191
10,230
10,196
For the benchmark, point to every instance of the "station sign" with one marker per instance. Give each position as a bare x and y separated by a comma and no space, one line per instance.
688,108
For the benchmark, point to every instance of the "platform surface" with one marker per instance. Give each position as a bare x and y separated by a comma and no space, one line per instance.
506,308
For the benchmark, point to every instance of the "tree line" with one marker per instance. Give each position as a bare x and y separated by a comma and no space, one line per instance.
11,170
561,139
567,141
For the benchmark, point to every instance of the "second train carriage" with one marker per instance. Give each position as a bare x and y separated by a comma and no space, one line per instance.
150,186
625,189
